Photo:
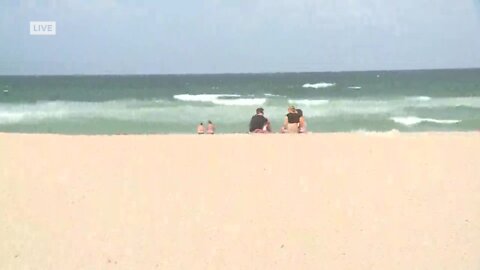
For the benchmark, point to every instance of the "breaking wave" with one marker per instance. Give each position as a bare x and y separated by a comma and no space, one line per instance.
221,99
318,85
202,97
273,95
419,98
413,120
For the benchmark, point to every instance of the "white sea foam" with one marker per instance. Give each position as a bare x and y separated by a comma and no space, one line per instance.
202,97
308,102
273,95
222,99
413,120
148,111
355,87
472,102
420,98
13,113
69,110
235,109
16,117
318,85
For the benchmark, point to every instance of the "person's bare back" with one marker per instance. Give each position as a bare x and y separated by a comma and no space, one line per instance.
210,128
200,129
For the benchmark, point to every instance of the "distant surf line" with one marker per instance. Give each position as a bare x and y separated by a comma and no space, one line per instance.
318,85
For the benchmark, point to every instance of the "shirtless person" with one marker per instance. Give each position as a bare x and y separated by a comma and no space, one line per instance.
292,121
200,129
210,128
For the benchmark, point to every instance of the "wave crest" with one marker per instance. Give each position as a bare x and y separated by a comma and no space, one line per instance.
273,95
202,97
413,120
420,98
318,85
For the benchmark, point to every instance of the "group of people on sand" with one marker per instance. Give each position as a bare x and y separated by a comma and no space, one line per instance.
294,122
210,129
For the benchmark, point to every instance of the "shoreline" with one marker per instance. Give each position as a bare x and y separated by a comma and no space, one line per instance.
396,132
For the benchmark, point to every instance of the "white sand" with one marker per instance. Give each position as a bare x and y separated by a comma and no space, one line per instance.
336,201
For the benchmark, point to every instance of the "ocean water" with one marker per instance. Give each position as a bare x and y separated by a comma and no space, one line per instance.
377,101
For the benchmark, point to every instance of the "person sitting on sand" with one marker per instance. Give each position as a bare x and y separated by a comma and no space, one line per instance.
210,128
292,121
200,129
302,126
259,123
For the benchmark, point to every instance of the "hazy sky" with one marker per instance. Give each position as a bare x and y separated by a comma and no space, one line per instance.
215,36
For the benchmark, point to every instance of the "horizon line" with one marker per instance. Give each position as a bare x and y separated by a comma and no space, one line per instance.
235,73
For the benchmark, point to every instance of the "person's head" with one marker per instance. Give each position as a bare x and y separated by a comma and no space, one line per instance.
259,110
300,112
210,122
201,123
291,109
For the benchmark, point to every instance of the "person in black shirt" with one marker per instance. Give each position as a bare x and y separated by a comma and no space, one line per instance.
259,123
292,121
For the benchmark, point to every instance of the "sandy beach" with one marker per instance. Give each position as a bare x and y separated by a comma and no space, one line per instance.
315,201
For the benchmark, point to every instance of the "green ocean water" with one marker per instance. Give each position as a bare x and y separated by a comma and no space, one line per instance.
407,101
